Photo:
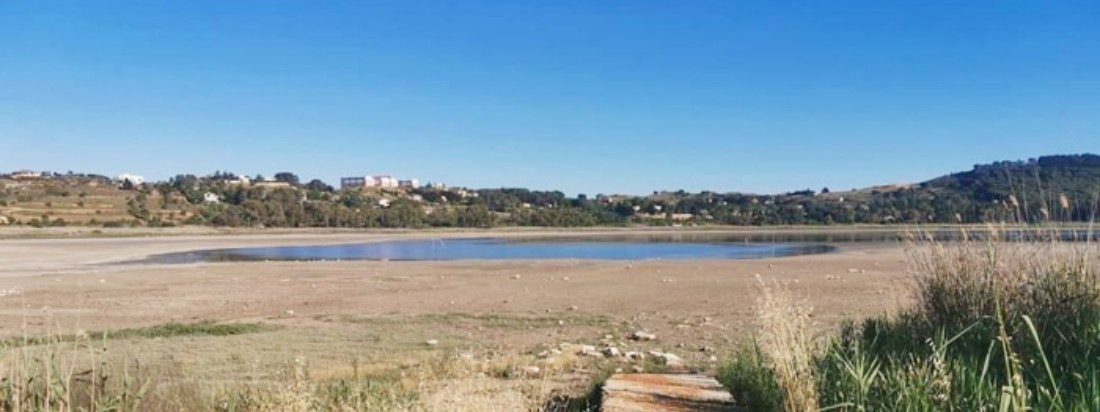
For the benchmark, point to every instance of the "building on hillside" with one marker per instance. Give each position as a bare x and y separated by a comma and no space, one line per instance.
380,181
271,184
25,174
354,182
239,181
385,181
133,179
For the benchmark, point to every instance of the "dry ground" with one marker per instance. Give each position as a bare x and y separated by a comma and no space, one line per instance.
377,316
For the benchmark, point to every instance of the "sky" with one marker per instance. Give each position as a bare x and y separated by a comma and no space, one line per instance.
582,96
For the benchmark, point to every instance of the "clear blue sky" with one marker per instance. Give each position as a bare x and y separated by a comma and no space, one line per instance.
584,96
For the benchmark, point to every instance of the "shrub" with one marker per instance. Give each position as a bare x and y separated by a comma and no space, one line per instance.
996,325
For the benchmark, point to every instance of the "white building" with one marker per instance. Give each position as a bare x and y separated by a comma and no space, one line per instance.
239,181
386,181
133,179
380,181
25,174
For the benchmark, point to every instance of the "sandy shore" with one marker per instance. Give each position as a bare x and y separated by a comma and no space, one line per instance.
83,275
379,314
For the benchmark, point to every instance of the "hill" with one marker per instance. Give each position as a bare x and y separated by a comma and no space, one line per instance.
1049,188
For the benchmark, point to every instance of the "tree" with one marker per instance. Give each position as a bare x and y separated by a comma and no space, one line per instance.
287,177
318,185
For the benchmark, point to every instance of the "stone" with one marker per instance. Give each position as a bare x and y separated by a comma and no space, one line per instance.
667,359
654,392
643,336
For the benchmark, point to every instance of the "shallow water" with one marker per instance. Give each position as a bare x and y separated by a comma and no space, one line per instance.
609,248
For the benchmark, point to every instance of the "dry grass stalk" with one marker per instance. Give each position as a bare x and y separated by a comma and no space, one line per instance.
787,345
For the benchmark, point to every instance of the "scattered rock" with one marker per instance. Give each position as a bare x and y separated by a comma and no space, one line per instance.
667,359
588,350
643,336
612,352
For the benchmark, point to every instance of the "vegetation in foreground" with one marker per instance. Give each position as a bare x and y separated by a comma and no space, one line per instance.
996,326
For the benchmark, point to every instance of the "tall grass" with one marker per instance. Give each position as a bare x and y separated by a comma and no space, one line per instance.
996,325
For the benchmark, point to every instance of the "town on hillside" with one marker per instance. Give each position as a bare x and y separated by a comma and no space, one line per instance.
1064,191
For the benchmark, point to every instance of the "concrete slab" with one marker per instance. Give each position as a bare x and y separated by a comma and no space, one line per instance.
665,392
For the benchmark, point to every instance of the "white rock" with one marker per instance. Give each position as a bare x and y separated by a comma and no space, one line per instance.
643,335
587,350
666,358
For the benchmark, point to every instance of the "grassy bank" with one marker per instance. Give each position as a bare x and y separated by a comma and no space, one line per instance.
996,326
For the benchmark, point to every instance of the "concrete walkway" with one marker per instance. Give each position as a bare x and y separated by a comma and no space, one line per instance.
671,392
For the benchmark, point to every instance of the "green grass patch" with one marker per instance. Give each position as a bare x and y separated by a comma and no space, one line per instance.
996,327
167,330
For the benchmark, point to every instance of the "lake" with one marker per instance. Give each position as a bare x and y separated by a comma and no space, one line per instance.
587,247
